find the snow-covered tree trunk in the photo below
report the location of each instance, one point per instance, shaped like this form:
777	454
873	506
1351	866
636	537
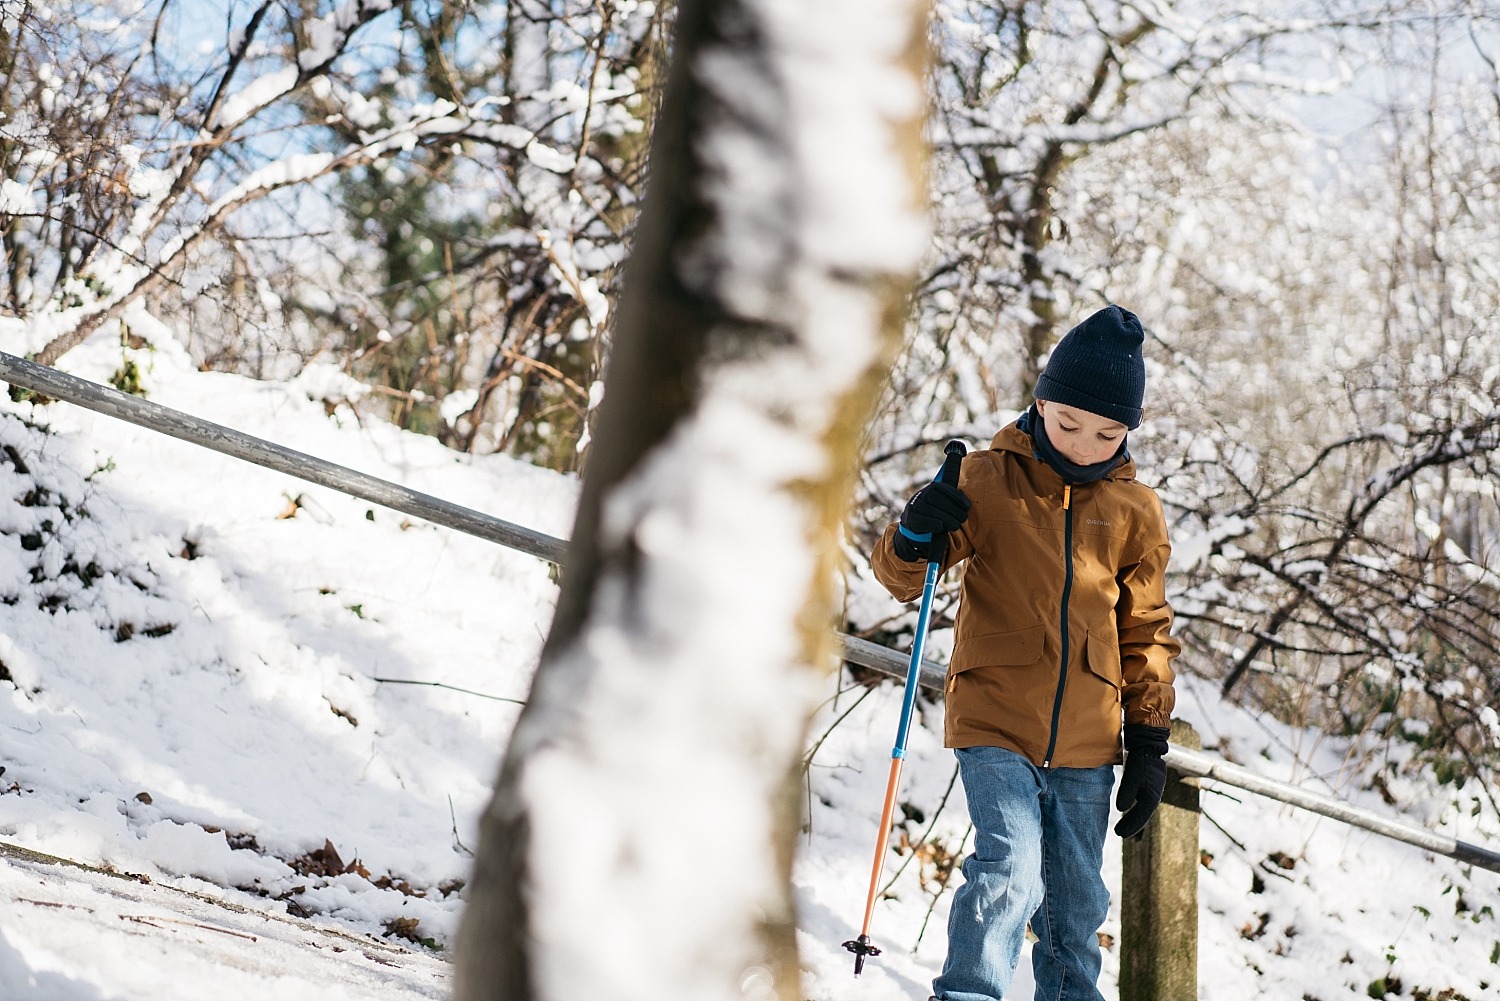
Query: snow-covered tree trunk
640	840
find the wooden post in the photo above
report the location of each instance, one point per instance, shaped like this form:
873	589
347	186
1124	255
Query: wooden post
1159	894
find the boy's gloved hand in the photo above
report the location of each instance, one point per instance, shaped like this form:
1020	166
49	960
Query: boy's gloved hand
1144	778
934	511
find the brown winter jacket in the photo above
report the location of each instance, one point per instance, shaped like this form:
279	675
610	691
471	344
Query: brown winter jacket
1063	622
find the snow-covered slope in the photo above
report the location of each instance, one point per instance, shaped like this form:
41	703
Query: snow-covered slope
201	682
192	645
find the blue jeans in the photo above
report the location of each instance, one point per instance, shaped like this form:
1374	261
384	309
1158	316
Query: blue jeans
1038	854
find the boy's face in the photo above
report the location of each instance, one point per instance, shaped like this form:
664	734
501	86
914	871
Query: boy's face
1082	438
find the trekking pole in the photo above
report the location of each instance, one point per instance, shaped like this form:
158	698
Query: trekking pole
936	550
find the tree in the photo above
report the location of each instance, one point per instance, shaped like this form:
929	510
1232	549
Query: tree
763	300
474	278
1346	575
434	196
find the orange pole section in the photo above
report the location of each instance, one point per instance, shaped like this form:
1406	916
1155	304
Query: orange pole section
882	842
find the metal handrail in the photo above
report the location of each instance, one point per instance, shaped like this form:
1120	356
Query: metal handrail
132	409
1187	761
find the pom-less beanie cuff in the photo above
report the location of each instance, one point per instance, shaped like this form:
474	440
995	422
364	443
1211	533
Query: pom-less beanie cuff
1098	367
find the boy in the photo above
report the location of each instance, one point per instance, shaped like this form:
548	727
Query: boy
1062	636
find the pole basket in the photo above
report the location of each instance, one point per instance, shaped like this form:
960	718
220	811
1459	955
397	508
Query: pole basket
861	948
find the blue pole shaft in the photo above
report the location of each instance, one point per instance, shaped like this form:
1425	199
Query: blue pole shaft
914	669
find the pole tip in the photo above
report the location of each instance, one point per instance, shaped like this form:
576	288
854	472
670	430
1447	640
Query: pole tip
861	948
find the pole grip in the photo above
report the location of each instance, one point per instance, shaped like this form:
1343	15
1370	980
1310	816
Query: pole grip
954	453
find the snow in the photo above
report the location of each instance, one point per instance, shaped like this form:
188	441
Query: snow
1491	721
218	759
278	711
549	159
146	940
327	35
242	708
260	92
1188	550
16	198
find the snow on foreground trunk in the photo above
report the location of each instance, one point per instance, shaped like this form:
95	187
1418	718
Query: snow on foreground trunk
640	840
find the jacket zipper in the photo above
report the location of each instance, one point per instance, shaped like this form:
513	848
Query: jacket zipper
1062	672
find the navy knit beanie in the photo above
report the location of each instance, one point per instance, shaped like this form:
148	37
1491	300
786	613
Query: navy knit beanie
1098	367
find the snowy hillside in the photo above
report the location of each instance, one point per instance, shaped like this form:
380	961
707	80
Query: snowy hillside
206	680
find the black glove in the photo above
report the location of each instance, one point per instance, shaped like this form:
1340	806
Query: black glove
934	511
1144	778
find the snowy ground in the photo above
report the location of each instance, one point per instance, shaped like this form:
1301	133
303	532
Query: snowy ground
201	667
77	934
